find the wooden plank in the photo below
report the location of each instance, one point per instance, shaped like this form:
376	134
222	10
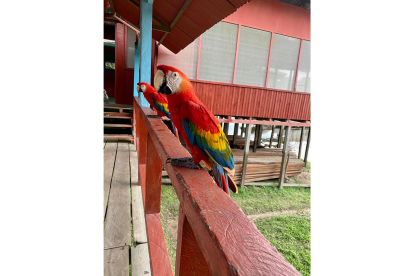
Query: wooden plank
138	216
117	114
109	137
118	215
140	262
246	153
116	261
109	162
118	125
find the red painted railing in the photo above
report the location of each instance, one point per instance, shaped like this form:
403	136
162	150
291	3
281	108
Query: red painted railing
249	101
214	235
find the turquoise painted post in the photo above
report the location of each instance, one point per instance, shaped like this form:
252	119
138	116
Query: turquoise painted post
145	40
136	69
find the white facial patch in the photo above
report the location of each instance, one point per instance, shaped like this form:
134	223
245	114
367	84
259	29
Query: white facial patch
158	79
143	88
173	81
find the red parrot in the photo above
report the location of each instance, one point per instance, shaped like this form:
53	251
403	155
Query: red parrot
201	131
156	100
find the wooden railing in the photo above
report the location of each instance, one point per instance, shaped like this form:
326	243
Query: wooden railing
214	235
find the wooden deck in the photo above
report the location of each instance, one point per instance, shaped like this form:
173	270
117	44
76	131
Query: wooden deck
125	237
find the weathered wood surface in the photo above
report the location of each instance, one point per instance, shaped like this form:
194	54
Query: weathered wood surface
140	263
118	125
109	162
230	242
138	216
116	261
118	216
284	158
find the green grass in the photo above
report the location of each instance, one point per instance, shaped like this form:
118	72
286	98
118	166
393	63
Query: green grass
308	166
293	232
169	210
291	236
261	199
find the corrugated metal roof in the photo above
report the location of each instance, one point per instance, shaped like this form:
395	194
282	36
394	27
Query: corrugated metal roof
199	16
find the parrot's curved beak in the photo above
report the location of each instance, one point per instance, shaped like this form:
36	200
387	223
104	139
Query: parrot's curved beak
160	83
139	89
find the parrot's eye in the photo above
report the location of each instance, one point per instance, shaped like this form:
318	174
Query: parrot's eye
175	74
143	88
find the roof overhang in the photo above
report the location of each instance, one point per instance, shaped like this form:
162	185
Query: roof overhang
176	23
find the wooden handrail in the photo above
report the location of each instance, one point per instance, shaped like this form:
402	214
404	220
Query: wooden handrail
214	235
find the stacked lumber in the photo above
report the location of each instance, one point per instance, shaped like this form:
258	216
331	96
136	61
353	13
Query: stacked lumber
264	164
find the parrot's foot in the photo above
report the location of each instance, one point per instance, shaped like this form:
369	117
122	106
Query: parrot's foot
153	116
187	162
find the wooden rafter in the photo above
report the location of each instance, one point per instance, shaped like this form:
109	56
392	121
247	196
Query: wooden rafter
177	17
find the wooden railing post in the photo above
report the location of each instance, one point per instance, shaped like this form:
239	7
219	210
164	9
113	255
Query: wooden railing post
189	257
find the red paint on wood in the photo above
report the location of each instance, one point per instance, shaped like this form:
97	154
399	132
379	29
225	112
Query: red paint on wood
189	258
273	16
228	240
160	262
129	86
119	62
152	179
236	54
249	101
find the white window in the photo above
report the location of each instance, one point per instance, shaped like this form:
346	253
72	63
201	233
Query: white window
283	62
218	51
185	60
252	57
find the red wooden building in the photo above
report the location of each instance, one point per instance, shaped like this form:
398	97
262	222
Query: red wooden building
255	63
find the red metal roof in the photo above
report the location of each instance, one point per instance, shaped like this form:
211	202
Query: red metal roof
199	16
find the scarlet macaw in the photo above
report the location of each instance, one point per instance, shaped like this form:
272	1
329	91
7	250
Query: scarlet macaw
156	100
201	131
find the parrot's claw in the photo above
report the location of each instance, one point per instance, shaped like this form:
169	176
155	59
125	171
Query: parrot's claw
153	116
187	162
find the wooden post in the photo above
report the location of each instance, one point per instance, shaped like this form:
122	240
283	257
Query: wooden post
280	138
307	148
260	134
152	179
300	142
271	137
256	137
189	257
246	154
235	131
242	130
226	128
285	152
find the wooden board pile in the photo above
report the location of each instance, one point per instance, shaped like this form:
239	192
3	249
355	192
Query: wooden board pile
264	164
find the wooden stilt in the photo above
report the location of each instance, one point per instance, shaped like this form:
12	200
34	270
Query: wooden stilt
242	130
246	154
300	142
280	138
256	137
271	137
285	152
235	132
307	148
259	142
226	128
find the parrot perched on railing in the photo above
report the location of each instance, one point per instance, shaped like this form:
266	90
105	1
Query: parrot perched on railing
157	101
201	131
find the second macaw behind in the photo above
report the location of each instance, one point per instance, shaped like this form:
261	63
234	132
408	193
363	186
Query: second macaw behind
200	129
156	100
